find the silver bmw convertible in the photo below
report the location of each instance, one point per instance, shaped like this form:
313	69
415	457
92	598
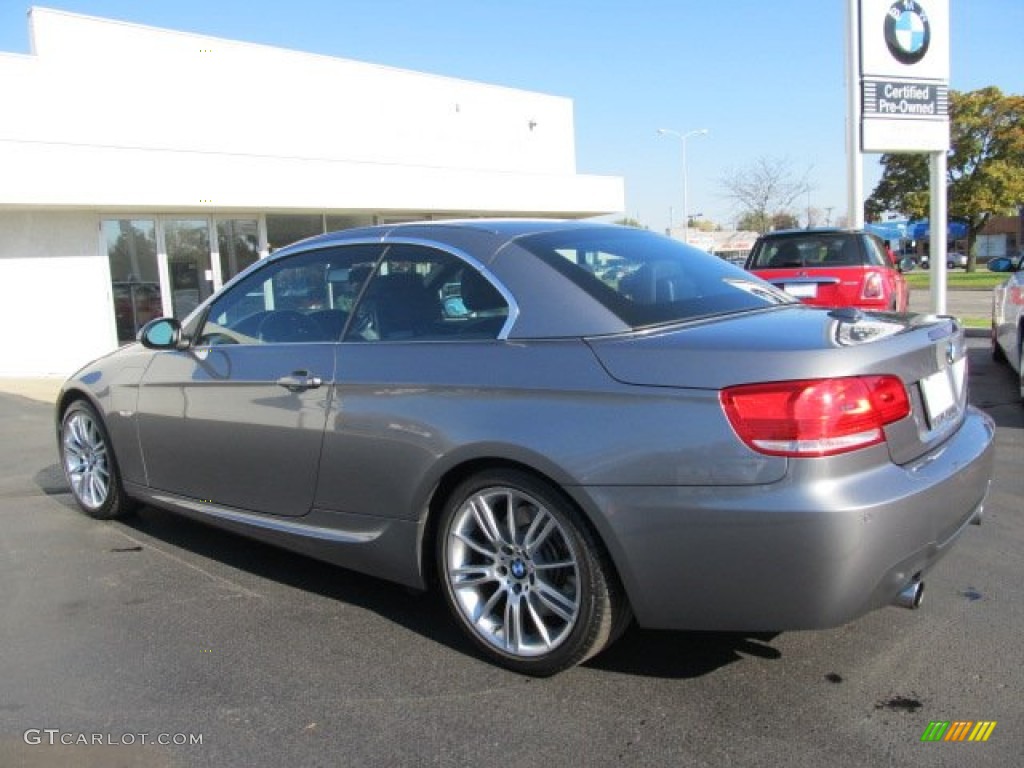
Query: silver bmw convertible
560	425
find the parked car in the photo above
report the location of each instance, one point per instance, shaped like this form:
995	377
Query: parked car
1008	314
608	424
954	259
832	268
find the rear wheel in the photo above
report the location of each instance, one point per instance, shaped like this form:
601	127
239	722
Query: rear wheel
89	465
524	575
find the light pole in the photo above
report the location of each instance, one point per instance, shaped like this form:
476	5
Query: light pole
682	140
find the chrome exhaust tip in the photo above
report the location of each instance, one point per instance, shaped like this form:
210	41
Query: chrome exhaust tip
911	596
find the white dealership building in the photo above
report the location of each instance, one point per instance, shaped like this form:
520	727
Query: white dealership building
141	168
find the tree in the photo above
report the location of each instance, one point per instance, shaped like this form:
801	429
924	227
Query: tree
764	190
984	165
629	222
785	221
758	222
815	217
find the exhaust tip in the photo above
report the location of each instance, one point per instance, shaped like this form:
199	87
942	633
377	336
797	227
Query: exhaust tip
911	596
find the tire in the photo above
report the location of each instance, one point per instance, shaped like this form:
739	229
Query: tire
524	575
89	464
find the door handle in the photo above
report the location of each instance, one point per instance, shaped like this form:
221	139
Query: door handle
300	381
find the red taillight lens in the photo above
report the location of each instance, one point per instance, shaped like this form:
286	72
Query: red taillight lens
820	417
873	287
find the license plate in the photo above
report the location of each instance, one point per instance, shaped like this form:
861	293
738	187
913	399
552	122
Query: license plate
941	392
801	290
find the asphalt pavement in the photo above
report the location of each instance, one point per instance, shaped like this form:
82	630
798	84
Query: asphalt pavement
958	303
117	636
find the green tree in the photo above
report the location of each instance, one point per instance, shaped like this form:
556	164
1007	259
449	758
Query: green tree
985	165
785	221
630	222
763	222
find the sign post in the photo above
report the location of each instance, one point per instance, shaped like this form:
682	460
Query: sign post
898	101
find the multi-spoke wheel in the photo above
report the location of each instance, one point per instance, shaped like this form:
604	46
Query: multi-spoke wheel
89	463
524	575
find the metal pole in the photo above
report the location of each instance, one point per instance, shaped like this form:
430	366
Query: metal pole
686	207
682	139
854	156
938	227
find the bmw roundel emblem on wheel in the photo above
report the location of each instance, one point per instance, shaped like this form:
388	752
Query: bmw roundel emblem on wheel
907	31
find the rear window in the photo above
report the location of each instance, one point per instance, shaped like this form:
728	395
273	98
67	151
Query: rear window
818	250
648	279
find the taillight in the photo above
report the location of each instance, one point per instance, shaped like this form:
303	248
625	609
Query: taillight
820	417
873	287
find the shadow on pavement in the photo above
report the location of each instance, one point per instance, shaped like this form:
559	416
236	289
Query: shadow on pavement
681	655
994	388
639	652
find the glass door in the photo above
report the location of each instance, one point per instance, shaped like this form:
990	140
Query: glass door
134	273
187	244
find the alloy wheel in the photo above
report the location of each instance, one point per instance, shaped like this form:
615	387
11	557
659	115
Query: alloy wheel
86	460
513	572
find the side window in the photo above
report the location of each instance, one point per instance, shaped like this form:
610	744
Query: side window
423	293
303	298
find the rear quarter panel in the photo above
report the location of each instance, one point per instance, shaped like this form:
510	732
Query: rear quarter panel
405	414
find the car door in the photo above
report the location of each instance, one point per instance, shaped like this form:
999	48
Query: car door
237	419
425	316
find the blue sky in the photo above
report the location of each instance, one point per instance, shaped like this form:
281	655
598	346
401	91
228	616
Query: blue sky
765	77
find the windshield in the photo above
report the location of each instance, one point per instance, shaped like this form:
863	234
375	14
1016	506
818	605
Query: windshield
647	279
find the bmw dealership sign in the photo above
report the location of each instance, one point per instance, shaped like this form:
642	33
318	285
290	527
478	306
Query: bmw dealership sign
904	67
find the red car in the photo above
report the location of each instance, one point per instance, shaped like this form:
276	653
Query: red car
832	268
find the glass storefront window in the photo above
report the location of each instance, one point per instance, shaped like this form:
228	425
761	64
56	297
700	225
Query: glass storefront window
134	274
334	223
285	229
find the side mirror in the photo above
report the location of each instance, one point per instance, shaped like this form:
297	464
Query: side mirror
1002	264
907	264
161	333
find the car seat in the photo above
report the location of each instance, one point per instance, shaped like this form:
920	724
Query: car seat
788	255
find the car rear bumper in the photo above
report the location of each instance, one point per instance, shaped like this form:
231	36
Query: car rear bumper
792	555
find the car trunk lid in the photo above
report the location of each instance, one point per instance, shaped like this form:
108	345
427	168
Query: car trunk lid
926	352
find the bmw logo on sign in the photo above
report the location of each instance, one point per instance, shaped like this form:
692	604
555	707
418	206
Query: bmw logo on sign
907	31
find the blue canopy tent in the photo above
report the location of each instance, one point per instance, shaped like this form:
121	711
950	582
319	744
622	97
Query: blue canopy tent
893	231
918	230
897	231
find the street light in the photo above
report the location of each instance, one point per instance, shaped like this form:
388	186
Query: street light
682	140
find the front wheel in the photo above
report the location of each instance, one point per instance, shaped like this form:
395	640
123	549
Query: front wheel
89	465
524	575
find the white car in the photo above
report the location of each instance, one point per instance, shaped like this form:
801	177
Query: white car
953	260
1008	314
